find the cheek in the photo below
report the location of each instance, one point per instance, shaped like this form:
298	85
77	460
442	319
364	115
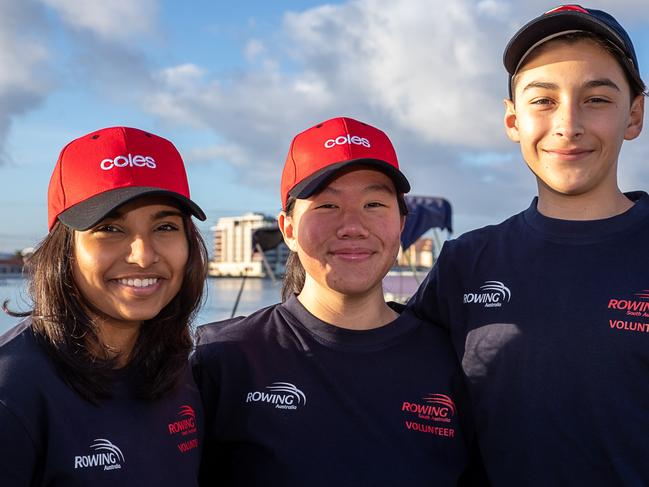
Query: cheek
86	264
177	254
391	229
611	128
311	235
529	128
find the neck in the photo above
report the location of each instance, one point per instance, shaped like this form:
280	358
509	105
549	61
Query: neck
355	312
591	206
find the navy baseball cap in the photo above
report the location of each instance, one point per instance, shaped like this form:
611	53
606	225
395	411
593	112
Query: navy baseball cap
567	19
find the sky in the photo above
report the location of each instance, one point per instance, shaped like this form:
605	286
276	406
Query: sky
230	84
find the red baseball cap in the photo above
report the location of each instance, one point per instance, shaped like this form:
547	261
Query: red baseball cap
319	153
102	170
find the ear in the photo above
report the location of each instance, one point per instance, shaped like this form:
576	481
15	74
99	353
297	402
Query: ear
287	228
511	121
403	222
636	117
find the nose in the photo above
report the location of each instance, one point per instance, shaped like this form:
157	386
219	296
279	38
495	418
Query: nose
568	121
142	252
352	225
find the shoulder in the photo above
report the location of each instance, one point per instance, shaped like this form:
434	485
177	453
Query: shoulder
641	200
486	234
20	352
25	374
434	339
241	328
235	336
466	249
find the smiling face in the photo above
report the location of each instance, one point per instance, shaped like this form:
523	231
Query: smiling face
347	235
570	116
131	264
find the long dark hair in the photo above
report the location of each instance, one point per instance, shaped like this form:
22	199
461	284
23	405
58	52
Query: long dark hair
62	325
294	273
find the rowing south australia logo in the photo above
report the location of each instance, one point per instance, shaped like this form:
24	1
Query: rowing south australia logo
432	414
631	314
184	427
283	395
103	454
492	294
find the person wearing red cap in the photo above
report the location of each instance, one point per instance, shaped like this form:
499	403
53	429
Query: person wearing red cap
333	386
549	310
95	387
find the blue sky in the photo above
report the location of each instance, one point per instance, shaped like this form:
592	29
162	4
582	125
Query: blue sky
231	83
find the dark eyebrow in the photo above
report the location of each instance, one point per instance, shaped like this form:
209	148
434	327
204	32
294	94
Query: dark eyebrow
544	85
595	83
379	187
165	213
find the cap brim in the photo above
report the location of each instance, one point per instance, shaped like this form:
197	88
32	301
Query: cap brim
85	214
315	182
548	26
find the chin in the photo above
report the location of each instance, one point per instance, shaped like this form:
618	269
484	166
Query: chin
354	287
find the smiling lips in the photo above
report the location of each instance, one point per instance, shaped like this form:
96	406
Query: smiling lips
138	282
353	254
568	154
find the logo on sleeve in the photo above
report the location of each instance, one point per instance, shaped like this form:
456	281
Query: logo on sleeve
634	311
283	395
492	294
102	454
433	414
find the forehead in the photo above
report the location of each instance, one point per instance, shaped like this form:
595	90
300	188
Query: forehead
558	59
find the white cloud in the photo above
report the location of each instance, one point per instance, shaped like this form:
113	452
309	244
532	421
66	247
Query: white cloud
254	49
231	154
24	71
32	66
435	71
114	20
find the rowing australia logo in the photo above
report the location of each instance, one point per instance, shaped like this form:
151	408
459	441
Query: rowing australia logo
103	454
283	395
492	294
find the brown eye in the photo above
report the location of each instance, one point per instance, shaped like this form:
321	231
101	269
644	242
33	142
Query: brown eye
107	228
167	227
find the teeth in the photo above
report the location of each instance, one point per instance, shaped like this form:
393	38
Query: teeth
139	282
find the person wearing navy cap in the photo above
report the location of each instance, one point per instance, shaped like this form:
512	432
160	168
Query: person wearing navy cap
549	310
334	386
95	388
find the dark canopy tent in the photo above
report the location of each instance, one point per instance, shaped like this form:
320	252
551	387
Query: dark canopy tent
424	213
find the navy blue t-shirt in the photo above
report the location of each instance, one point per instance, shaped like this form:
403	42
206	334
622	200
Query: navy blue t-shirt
550	320
293	401
50	436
